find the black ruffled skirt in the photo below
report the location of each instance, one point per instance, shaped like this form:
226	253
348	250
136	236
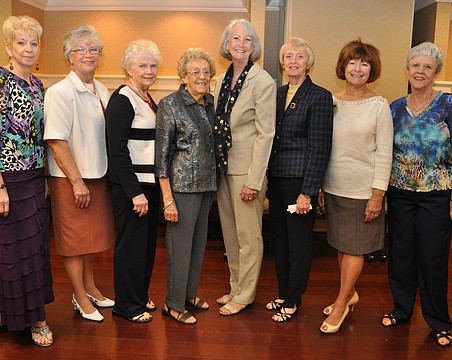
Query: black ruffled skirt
25	275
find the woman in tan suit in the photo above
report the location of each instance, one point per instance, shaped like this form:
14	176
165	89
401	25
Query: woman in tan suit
245	99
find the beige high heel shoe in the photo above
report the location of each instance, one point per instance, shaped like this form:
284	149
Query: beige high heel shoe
352	302
331	329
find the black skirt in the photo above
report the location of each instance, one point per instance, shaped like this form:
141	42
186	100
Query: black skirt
25	275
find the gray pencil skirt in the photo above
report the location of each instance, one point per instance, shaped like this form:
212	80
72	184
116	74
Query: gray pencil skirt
346	229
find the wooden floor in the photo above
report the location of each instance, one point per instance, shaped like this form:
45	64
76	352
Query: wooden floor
248	335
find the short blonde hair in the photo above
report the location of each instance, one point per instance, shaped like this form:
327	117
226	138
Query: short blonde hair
85	32
298	43
249	28
14	25
138	48
194	54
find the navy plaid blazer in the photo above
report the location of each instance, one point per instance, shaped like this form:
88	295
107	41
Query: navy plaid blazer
302	142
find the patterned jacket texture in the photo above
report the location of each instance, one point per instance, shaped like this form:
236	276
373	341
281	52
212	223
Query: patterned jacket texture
184	143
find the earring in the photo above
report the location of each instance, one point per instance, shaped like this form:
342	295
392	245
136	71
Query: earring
71	68
11	67
37	67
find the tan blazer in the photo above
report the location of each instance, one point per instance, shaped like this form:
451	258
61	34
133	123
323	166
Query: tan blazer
252	125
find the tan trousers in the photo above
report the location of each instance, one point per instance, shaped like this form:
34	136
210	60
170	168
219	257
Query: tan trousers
241	224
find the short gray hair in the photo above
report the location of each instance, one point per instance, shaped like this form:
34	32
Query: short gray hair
426	49
249	28
138	48
84	32
194	54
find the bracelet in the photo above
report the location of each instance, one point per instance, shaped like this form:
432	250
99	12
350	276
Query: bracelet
167	204
3	186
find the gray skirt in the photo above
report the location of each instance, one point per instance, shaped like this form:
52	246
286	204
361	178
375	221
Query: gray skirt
346	229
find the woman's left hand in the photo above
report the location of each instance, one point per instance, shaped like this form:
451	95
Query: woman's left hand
374	205
450	209
303	204
248	194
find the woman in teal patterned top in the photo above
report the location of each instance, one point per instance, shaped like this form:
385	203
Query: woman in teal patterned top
419	196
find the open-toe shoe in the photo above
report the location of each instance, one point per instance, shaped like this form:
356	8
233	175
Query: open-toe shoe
331	329
228	309
283	315
352	302
223	300
181	317
197	303
150	306
275	304
444	335
393	320
42	333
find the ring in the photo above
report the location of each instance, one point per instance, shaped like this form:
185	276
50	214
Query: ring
249	197
376	215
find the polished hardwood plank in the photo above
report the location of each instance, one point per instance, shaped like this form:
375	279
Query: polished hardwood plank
248	335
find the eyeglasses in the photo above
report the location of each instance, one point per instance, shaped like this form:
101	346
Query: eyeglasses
83	51
197	72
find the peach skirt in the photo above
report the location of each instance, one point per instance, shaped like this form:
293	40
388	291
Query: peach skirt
81	231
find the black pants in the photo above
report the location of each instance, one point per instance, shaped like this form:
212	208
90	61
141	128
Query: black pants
419	240
134	250
292	236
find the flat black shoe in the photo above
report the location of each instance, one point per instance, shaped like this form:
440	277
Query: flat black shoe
391	318
444	335
197	304
180	317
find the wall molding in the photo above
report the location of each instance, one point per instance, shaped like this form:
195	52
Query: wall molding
139	5
164	85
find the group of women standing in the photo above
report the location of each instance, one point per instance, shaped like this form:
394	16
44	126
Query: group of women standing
109	158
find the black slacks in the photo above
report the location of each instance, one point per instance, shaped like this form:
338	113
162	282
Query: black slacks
419	240
134	254
292	236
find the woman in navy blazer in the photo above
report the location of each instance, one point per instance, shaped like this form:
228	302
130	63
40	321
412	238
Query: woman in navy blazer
300	154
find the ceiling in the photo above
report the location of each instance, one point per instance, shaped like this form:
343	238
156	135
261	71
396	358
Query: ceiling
167	5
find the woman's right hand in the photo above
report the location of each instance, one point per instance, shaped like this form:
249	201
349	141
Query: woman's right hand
140	204
170	212
81	194
4	202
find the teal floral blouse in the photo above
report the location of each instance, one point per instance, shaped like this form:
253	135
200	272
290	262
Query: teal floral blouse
422	152
21	123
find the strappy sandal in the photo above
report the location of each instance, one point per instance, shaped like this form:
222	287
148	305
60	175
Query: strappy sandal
150	306
197	304
224	299
391	318
283	315
141	318
274	304
42	332
228	309
136	319
444	335
180	317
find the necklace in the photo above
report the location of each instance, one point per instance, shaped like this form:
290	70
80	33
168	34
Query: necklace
145	98
88	86
424	104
